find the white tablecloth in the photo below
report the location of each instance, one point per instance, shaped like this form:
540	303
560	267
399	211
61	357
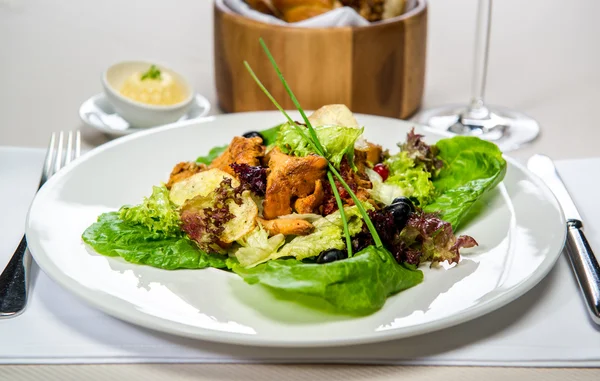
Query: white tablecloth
548	326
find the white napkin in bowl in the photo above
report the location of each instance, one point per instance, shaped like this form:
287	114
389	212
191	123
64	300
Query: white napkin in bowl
339	17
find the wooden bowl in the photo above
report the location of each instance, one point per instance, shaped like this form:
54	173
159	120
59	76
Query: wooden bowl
378	69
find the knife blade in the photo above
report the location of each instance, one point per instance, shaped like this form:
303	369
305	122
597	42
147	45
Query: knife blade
580	253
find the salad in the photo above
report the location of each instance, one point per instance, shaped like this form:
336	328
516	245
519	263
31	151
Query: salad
310	210
262	207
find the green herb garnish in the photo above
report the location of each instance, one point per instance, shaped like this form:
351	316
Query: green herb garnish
311	130
152	73
318	148
340	205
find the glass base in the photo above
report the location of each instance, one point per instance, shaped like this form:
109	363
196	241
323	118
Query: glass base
506	128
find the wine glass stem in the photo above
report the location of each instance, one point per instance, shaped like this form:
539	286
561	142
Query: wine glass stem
477	108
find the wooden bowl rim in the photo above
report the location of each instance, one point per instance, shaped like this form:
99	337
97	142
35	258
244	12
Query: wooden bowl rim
417	10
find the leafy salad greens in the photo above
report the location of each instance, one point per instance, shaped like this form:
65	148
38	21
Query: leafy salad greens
311	210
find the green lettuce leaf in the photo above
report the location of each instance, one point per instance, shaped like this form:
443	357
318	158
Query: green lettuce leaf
112	236
270	135
257	247
337	141
358	286
328	234
212	155
156	213
326	237
413	180
381	191
353	217
420	152
471	167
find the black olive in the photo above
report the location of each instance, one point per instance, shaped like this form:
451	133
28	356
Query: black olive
253	134
331	255
404	200
401	210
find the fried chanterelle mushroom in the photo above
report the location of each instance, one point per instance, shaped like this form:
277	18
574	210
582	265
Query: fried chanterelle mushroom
184	170
240	151
292	179
286	226
367	154
312	202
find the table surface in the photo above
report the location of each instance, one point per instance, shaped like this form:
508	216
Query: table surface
544	61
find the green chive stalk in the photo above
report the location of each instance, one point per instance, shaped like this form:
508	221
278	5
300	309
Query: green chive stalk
318	148
292	96
340	205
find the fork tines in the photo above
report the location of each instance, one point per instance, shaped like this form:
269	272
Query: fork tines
61	151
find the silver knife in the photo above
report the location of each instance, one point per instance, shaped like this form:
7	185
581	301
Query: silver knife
578	249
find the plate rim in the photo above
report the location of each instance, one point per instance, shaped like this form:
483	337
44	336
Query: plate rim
201	333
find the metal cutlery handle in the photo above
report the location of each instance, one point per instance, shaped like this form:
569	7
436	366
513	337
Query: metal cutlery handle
586	267
14	278
13	283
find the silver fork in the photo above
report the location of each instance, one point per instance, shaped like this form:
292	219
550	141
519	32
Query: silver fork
14	280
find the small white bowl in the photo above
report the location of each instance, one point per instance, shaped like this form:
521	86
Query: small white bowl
138	114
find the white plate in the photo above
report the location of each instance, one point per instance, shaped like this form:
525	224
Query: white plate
98	113
521	233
